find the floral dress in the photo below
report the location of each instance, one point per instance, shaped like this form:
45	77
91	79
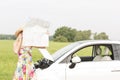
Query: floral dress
25	67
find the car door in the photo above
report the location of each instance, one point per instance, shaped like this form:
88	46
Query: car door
93	70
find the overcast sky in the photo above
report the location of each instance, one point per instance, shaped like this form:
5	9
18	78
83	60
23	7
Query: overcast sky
95	15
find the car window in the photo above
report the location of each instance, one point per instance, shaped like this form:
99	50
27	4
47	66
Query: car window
102	53
86	54
116	50
92	53
103	48
87	51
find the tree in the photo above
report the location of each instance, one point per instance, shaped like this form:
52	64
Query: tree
78	36
83	35
86	34
101	36
61	39
66	32
7	37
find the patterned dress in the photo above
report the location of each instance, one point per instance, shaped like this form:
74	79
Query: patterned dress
25	67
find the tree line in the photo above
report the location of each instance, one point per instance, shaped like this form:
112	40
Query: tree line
67	34
7	37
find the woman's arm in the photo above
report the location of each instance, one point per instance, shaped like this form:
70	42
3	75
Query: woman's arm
17	44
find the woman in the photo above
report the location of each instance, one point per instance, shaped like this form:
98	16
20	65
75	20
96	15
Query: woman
25	68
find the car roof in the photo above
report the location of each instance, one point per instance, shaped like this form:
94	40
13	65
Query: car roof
98	42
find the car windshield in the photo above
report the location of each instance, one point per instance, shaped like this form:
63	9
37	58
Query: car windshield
64	50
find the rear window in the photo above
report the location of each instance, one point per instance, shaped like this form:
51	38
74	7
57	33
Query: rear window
116	51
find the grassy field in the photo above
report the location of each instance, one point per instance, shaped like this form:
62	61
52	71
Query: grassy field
8	58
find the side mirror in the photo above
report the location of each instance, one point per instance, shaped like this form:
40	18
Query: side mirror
76	59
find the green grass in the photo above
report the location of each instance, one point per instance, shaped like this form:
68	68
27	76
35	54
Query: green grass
8	59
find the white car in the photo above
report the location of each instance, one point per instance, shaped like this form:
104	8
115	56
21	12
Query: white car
83	60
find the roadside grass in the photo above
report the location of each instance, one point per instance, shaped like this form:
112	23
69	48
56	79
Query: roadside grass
8	59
